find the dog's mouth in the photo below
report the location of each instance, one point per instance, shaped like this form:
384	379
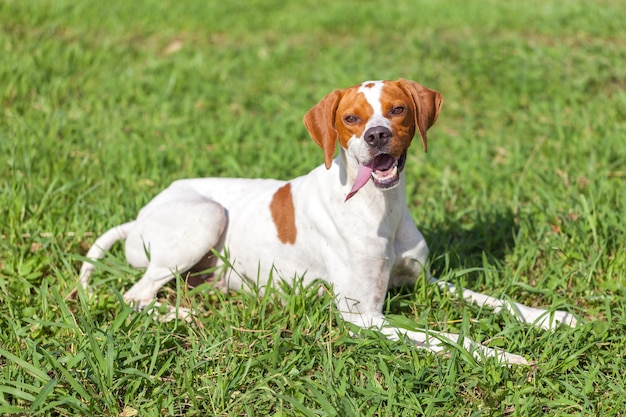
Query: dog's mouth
384	170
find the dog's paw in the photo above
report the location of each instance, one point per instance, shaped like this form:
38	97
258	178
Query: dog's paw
505	358
547	320
173	313
480	352
562	317
162	312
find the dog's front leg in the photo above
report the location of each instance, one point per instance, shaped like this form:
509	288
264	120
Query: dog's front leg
439	341
176	231
545	319
364	314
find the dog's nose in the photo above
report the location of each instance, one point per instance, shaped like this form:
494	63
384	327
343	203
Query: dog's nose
377	136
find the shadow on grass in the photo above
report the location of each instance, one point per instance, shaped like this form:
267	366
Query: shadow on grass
469	242
465	245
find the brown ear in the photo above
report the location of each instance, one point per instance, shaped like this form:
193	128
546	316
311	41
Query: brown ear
320	122
427	104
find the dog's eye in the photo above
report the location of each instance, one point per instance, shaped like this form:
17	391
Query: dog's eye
397	111
350	119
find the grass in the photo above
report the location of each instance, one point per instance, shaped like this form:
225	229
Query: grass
521	194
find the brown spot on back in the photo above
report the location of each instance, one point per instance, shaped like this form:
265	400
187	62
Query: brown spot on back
284	214
369	85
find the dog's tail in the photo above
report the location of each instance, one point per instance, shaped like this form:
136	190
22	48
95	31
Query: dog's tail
99	248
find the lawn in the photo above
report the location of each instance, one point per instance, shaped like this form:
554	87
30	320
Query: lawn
522	194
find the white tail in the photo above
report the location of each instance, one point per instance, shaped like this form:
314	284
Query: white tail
100	247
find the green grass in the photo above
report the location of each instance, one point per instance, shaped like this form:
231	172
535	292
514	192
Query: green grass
522	194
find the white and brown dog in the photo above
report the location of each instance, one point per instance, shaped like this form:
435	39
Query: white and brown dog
346	221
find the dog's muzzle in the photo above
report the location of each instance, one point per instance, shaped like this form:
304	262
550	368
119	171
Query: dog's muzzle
383	169
386	170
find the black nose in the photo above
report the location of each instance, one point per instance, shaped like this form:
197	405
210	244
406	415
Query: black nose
377	136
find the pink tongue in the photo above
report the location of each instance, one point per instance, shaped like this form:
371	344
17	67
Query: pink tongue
362	176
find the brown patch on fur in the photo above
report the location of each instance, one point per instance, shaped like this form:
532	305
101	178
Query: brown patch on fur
320	122
426	104
327	124
402	125
284	214
355	104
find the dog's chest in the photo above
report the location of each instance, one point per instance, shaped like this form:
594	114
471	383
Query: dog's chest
316	234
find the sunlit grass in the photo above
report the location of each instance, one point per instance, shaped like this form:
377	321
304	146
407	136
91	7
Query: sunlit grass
521	194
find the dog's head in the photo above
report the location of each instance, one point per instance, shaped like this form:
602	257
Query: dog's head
374	123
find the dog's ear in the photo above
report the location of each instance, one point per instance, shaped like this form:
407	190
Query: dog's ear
320	122
426	106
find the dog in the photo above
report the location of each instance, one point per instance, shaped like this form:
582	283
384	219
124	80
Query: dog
346	221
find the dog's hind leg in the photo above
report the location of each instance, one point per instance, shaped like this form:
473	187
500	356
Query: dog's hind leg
144	292
172	237
545	319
